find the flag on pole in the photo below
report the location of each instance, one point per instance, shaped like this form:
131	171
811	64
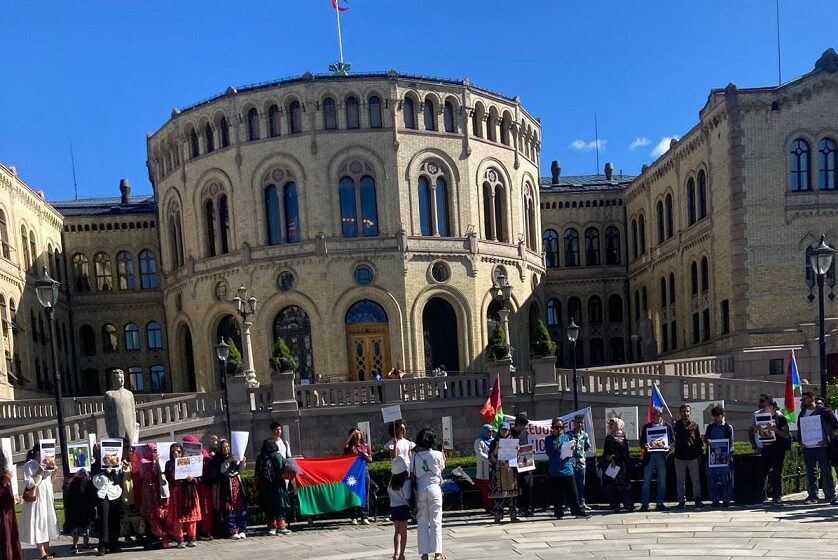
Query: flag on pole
656	401
492	411
793	390
336	4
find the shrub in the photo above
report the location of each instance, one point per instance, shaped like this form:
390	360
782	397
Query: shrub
235	357
281	360
542	344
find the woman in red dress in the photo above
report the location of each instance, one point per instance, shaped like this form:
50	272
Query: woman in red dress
153	492
205	526
184	502
9	538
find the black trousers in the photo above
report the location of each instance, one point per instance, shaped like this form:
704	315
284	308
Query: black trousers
110	515
563	493
525	489
771	464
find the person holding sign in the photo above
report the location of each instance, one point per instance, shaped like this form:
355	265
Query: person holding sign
481	456
815	427
503	479
154	496
228	491
399	445
108	476
615	476
9	537
184	501
719	478
38	525
770	433
655	438
560	448
580	457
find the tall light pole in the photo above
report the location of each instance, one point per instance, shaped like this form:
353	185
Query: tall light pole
821	260
503	293
222	350
572	335
47	290
246	307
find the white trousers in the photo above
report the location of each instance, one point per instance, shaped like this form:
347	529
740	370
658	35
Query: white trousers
429	520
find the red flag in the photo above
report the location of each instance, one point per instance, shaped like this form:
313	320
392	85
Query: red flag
338	7
492	411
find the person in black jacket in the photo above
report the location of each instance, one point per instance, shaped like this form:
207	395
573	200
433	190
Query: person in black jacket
772	452
816	453
688	450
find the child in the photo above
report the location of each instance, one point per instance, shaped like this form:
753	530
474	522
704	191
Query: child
720	479
399	491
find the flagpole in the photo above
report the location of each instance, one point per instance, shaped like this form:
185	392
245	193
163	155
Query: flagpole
340	38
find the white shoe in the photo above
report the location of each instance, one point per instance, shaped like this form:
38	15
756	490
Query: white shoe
354	521
242	536
272	532
365	521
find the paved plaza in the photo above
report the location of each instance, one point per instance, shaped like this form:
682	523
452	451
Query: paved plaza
793	532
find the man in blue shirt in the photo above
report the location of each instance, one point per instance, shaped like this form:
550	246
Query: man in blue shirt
720	479
562	479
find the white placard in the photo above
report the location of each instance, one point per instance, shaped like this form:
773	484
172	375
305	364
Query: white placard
91	441
110	453
811	430
78	454
447	432
48	454
508	449
391	413
189	466
136	439
238	445
627	414
526	458
567	450
164	453
701	412
364	428
657	439
612	471
718	453
6	448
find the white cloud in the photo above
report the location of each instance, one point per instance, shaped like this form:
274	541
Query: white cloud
639	142
663	145
582	146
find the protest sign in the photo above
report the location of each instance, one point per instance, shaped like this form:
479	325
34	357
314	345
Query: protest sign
91	442
508	449
238	445
526	458
78	454
718	453
391	413
48	454
811	430
191	449
627	414
763	432
185	467
164	450
657	439
612	471
110	453
6	448
538	430
567	450
447	432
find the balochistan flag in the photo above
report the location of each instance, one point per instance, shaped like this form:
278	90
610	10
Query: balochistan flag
492	410
329	484
656	401
792	390
336	5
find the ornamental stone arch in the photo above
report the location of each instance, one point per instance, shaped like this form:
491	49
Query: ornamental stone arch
462	331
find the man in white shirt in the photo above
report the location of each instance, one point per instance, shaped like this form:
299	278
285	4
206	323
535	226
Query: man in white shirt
817	453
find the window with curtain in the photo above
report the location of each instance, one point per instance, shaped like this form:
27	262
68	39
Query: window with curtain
550	240
132	337
125	271
148	270
154	336
110	340
571	247
135	379
104	274
592	247
81	272
799	164
330	115
374	108
157	379
353	119
554	314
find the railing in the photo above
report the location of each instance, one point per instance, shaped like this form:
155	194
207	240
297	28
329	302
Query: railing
445	388
27	409
707	365
261	398
607	382
357	393
43	409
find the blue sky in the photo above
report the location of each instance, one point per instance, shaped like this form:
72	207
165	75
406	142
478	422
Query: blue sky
106	73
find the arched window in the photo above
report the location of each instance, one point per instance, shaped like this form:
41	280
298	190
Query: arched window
571	247
641	225
693	278
615	309
209	217
104	274
272	215
613	252
494	206
273	121
88	340
637	304
428	114
702	195
550	239
348	213
635	246
409	113
374	107
209	139
691	214
670	222
148	270
663	292
194	147
110	341
554	314
424	189
661	226
353	119
136	380
81	272
594	310
705	274
125	271
291	209
295	117
132	337
505	124
4	236
253	124
826	165
157	380
671	288
59	275
574	310
448	117
33	247
224	129
330	115
799	163
441	196
224	224
175	235
477	122
24	245
364	205
154	336
51	261
810	272
529	218
592	247
292	325
492	126
369	207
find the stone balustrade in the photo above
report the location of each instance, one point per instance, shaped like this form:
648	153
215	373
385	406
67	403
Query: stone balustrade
707	365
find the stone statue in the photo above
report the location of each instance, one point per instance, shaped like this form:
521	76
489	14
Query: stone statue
120	411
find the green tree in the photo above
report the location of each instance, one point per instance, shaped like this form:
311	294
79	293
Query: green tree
542	344
281	358
235	356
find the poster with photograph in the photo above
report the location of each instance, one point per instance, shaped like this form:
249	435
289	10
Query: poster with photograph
657	439
164	450
447	432
110	453
191	449
78	454
48	454
185	467
763	432
507	449
718	453
627	414
526	458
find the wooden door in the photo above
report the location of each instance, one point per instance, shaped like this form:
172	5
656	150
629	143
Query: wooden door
368	350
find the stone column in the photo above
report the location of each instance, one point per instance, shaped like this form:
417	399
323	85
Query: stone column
284	393
241	413
392	391
249	371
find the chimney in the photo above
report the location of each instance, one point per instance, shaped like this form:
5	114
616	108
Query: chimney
609	171
556	170
125	191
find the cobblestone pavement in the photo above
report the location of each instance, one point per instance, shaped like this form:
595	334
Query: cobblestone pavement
794	531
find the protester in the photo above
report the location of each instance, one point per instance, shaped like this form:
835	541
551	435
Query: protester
519	432
817	454
654	462
688	451
204	527
79	508
720	479
503	479
282	445
228	491
615	454
355	445
109	504
131	522
580	457
399	445
154	497
9	536
481	455
184	503
272	489
772	452
561	471
213	445
38	524
427	467
399	491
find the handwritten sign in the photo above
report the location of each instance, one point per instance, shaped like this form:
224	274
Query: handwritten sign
507	449
811	430
189	466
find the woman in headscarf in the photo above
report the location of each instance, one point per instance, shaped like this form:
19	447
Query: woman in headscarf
206	526
184	502
615	456
503	479
9	537
228	492
481	455
271	487
153	492
79	507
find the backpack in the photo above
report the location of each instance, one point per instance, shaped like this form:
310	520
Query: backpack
264	470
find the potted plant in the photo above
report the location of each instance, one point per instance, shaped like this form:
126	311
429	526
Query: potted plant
281	359
499	348
234	360
541	344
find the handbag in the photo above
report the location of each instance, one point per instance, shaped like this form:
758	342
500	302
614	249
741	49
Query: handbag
31	494
411	502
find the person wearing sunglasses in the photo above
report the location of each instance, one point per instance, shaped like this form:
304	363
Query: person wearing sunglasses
562	477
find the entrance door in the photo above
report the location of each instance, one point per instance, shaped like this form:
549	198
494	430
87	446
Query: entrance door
368	349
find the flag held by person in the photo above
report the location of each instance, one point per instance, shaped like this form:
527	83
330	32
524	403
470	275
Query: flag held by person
492	410
331	484
656	400
793	390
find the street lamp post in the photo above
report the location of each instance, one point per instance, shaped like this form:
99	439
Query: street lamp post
821	260
222	350
47	290
572	335
503	293
245	307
